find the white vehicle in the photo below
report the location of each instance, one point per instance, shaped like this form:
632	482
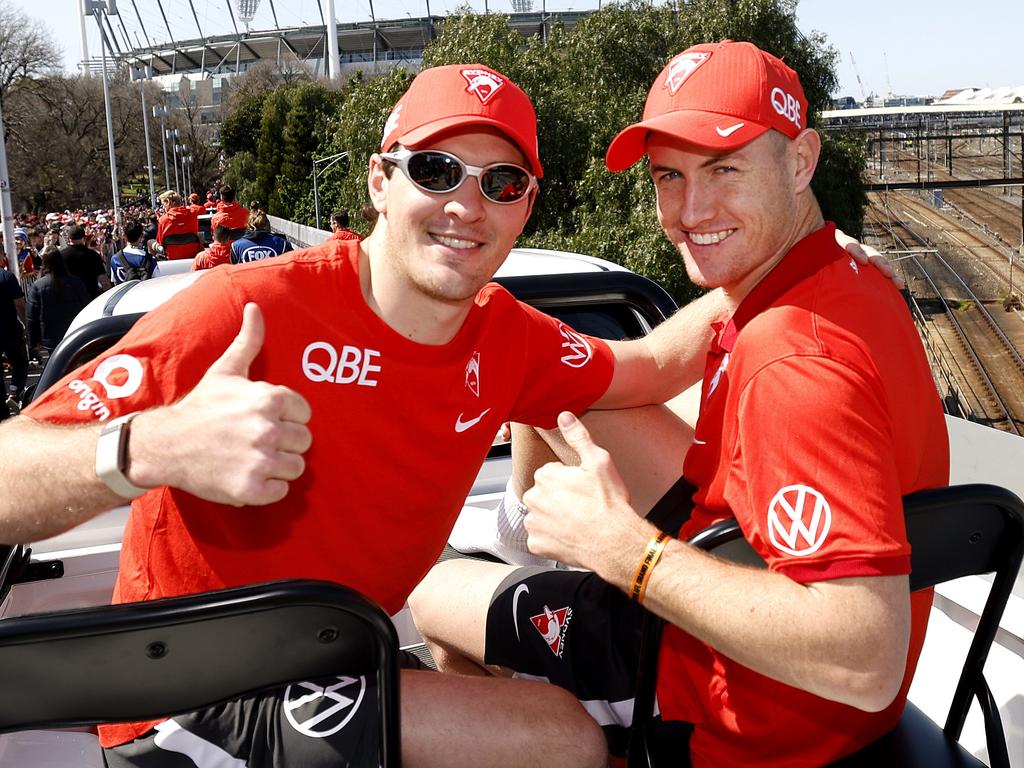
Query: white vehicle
78	568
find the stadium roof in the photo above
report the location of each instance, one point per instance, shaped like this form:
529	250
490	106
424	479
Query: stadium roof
200	35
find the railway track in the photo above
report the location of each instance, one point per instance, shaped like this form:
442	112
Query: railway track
975	357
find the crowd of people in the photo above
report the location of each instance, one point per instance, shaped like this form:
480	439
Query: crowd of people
817	413
65	259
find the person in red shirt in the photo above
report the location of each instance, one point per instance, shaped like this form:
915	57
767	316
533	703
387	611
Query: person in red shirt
817	414
230	214
218	253
178	229
195	206
275	383
339	227
211	202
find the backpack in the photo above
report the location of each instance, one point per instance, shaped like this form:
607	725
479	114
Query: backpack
133	271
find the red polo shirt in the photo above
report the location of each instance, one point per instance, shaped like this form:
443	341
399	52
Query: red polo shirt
819	413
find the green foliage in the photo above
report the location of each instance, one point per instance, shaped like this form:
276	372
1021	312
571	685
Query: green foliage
586	85
241	128
356	127
838	181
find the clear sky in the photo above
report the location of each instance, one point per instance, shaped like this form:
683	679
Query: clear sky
913	46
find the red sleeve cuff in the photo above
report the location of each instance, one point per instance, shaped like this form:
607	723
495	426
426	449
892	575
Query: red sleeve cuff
804	573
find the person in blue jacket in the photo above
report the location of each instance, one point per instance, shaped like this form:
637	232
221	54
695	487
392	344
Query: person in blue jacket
258	242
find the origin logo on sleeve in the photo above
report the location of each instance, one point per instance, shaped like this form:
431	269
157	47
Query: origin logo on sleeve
117	377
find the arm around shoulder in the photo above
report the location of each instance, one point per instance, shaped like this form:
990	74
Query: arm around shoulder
657	367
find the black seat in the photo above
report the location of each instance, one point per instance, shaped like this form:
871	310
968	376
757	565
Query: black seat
953	532
143	661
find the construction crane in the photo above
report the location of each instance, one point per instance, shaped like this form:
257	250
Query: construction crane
863	93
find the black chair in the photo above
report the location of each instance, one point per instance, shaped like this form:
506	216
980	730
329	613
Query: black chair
953	532
143	661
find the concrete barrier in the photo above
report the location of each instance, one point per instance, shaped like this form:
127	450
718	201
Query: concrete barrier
299	235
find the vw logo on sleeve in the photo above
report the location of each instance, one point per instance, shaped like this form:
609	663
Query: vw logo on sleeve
799	519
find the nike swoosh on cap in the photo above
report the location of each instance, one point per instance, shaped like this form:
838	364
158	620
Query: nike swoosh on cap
727	132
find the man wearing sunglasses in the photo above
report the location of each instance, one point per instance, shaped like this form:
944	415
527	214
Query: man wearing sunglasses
336	435
817	414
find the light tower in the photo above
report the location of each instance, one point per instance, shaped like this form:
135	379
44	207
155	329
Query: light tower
247	11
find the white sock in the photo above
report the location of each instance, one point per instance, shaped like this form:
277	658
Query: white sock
511	514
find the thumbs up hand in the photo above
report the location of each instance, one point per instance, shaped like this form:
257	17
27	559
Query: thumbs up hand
579	515
230	440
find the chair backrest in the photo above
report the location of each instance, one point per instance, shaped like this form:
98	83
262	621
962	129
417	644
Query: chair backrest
142	661
953	532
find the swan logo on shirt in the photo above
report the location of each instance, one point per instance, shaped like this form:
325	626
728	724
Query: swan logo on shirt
799	518
552	626
473	374
119	376
316	710
350	365
577	350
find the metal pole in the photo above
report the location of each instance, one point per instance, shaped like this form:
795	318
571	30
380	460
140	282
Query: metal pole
5	203
110	123
316	197
181	159
84	64
332	41
159	111
174	147
149	152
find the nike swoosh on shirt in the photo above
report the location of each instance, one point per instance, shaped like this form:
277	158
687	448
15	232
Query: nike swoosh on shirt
462	426
515	604
727	132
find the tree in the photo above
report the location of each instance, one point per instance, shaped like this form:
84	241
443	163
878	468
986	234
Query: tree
585	85
27	49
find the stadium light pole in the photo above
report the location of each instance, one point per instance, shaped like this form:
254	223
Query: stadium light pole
142	74
181	159
330	160
162	112
172	134
98	8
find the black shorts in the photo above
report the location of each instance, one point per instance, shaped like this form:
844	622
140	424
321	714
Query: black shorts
331	722
572	629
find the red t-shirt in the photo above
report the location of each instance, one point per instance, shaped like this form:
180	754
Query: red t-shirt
230	215
399	428
345	234
215	255
819	413
179	221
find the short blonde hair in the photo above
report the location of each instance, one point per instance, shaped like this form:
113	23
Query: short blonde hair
170	199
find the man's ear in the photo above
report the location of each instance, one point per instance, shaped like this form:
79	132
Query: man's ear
377	183
807	150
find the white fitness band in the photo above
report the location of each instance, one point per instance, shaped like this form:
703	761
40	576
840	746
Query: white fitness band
112	457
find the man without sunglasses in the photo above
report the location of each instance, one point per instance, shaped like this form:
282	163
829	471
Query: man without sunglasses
817	414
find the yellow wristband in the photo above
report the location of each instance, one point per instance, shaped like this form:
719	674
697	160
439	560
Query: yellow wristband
650	559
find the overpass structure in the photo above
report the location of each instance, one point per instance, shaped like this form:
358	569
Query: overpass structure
937	146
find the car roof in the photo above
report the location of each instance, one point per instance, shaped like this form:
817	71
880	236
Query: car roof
142	296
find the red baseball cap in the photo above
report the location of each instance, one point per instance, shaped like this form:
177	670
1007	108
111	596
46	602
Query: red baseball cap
718	96
442	98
